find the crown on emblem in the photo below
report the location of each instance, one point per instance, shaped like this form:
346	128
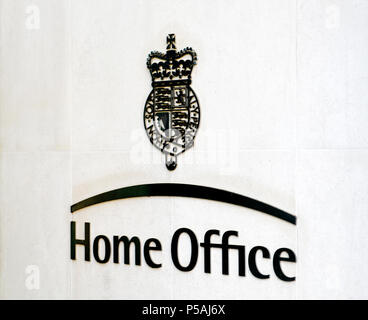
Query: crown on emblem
172	67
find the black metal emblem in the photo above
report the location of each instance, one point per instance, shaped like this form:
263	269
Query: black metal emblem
171	113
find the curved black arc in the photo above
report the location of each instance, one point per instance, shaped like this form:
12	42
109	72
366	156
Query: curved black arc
184	190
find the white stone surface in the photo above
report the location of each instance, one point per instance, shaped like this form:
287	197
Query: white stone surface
282	89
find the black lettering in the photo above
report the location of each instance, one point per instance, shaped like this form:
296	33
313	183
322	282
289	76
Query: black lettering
276	263
127	243
252	261
85	242
148	248
207	245
96	249
174	249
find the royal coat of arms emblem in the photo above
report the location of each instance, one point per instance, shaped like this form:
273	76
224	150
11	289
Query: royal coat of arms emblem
171	113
